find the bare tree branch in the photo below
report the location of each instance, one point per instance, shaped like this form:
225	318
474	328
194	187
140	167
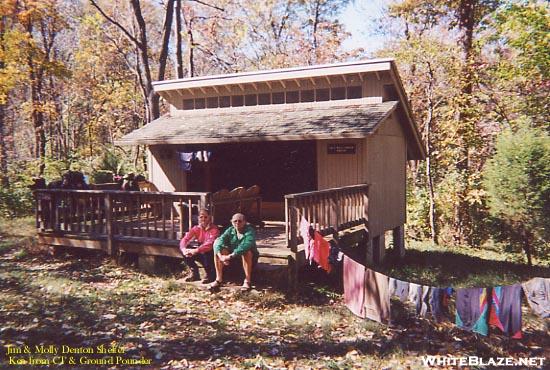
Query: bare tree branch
110	19
210	5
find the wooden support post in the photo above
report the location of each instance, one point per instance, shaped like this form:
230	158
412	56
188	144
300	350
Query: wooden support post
292	273
377	248
382	248
292	222
370	252
109	226
399	240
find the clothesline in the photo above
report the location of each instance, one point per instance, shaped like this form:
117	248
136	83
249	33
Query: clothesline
367	294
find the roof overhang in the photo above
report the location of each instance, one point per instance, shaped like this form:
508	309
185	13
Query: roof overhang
415	145
284	74
314	121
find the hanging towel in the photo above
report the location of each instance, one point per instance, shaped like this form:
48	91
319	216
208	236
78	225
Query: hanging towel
306	236
439	303
537	292
321	251
505	312
472	310
354	286
377	296
399	289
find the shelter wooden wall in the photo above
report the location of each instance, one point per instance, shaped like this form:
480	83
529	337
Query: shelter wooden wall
335	170
164	169
386	156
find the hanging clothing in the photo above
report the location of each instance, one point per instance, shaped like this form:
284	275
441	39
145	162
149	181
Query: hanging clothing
505	312
422	306
354	286
399	289
185	159
321	251
377	296
537	292
305	233
415	295
335	254
439	303
472	310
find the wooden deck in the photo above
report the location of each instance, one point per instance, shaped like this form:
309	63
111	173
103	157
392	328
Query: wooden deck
151	224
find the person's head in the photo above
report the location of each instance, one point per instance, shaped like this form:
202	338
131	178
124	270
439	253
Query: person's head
204	217
238	221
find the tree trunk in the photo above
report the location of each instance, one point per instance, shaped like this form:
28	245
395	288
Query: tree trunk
153	108
167	30
179	46
466	25
4	179
429	175
191	46
527	241
314	33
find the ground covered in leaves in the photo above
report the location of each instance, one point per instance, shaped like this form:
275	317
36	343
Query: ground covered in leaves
87	301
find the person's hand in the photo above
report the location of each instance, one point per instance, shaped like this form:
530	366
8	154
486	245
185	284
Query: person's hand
225	259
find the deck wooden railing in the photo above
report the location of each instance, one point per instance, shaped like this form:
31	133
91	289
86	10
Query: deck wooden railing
326	210
115	214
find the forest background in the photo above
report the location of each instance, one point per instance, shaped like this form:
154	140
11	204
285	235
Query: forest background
76	75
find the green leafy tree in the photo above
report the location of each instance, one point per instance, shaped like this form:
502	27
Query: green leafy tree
517	180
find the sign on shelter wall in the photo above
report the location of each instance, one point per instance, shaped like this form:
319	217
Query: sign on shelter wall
341	148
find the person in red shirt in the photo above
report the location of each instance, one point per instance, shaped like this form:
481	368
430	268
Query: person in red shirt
197	245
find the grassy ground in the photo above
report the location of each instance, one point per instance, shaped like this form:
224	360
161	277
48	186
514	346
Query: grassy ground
86	301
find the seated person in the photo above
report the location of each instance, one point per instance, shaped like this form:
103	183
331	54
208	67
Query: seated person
197	245
238	240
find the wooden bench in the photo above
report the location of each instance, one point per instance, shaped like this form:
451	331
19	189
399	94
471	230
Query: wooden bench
226	203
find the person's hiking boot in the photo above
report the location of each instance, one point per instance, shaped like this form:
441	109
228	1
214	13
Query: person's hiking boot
193	276
246	285
215	286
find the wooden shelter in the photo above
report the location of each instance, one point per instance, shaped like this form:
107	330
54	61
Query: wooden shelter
328	143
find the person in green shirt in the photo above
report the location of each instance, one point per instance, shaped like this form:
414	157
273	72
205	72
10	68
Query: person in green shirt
239	240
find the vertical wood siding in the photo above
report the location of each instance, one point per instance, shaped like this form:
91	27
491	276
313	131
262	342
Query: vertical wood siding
336	170
386	166
164	169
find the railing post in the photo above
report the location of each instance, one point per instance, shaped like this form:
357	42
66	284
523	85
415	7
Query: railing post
109	225
292	219
38	211
292	240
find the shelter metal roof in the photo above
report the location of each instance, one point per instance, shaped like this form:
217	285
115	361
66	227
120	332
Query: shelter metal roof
264	123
